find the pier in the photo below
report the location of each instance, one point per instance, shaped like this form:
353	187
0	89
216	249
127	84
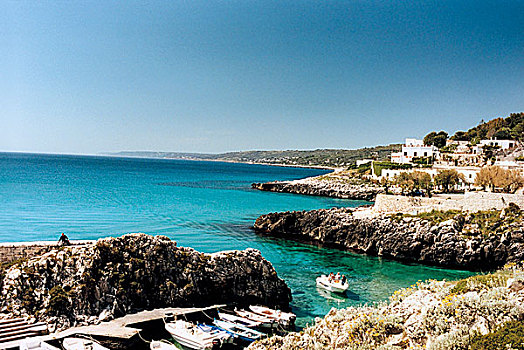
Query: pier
120	329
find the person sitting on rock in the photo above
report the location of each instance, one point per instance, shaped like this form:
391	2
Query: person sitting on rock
63	240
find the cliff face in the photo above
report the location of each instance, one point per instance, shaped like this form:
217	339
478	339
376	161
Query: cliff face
460	242
322	188
83	285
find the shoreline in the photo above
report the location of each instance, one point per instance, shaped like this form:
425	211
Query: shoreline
334	169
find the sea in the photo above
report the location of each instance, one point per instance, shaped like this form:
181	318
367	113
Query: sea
208	206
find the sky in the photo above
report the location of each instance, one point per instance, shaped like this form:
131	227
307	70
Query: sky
213	76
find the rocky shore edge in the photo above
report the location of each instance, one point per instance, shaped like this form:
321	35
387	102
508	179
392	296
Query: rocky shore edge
325	186
482	241
477	313
82	285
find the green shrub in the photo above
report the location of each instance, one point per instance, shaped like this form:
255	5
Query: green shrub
478	282
59	300
508	336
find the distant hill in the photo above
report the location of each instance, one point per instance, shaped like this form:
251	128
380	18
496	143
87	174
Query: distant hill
320	157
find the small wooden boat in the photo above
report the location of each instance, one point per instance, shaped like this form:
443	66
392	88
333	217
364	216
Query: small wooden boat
162	345
240	331
81	344
35	344
286	319
335	286
196	337
265	322
246	322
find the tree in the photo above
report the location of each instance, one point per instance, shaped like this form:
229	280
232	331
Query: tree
460	136
384	181
405	181
448	178
496	177
410	182
436	139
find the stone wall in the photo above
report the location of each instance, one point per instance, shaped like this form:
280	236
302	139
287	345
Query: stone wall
11	251
471	201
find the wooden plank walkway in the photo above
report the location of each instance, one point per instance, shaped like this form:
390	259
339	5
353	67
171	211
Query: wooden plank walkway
120	328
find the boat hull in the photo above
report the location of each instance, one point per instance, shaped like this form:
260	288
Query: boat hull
324	283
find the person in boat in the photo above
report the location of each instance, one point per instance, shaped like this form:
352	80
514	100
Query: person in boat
337	277
331	277
63	240
343	279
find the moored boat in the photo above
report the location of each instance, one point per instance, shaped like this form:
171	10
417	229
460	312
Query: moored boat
286	319
196	337
81	344
246	322
335	286
240	331
162	345
265	322
35	344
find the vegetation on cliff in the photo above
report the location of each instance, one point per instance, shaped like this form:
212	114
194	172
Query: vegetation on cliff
474	313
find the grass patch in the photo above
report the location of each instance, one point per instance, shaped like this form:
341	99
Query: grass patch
508	336
479	282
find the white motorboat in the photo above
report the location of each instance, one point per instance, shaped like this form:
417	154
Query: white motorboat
265	322
240	331
35	344
162	345
286	319
335	286
81	344
194	337
246	322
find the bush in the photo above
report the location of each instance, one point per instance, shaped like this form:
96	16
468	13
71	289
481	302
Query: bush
59	300
508	336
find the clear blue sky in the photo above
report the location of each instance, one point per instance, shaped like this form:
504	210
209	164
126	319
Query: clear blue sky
213	76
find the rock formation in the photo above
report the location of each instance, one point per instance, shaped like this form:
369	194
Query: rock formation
84	285
322	188
469	241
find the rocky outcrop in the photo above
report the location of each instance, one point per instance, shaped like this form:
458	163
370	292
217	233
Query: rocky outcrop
460	242
322	188
84	285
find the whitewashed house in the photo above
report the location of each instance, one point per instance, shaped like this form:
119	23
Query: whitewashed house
503	144
413	149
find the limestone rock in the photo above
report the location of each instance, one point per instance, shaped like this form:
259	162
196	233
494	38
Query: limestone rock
115	276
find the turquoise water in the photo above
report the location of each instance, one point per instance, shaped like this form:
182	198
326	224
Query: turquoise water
209	206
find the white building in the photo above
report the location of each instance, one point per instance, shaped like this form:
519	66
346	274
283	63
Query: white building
470	173
363	161
412	149
503	144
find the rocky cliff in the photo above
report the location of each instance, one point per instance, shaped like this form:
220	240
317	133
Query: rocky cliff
475	241
84	285
322	188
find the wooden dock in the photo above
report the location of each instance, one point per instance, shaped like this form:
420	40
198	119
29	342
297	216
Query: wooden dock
119	328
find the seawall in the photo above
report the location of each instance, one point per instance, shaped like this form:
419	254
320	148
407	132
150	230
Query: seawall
469	202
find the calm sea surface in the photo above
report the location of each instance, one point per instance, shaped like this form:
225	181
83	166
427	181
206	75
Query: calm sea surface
205	205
